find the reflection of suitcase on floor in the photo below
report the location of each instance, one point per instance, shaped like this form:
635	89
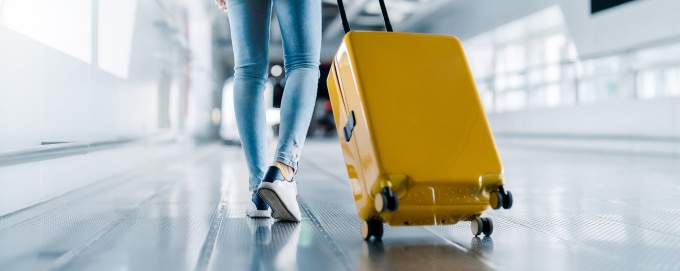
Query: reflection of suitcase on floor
415	139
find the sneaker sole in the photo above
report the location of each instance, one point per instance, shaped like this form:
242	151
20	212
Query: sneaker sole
259	214
279	210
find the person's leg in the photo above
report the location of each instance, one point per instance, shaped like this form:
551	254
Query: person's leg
249	21
300	22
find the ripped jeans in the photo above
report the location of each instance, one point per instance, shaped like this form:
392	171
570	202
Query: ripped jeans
300	25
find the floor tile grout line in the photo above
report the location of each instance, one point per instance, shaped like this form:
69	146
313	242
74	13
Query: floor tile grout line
95	186
208	247
631	224
342	257
477	255
211	238
626	223
101	186
68	257
568	241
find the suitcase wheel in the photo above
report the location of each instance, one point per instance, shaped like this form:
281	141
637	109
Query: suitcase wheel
507	200
372	228
501	198
386	200
481	225
496	199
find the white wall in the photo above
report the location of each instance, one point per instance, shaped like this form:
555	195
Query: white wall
631	126
86	70
91	72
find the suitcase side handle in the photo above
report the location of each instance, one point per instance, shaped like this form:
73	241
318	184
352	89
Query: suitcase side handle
349	127
383	9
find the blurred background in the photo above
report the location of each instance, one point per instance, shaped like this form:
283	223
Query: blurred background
586	74
119	149
102	70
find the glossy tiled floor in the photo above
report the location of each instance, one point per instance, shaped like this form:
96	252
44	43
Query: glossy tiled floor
573	211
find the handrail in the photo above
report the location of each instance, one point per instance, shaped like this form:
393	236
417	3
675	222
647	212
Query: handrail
638	47
60	150
597	137
572	64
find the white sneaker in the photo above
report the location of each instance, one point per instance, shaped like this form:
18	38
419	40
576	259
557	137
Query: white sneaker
258	208
281	195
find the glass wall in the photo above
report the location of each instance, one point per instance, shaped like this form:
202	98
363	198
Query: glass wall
533	63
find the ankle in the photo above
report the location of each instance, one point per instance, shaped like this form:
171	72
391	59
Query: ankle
260	204
287	171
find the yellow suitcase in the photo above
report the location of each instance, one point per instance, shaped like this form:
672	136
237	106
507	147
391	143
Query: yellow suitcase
415	138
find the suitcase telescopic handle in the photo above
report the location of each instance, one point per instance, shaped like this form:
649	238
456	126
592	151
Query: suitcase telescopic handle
383	9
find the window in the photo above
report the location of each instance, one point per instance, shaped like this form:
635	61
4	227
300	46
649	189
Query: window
533	63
